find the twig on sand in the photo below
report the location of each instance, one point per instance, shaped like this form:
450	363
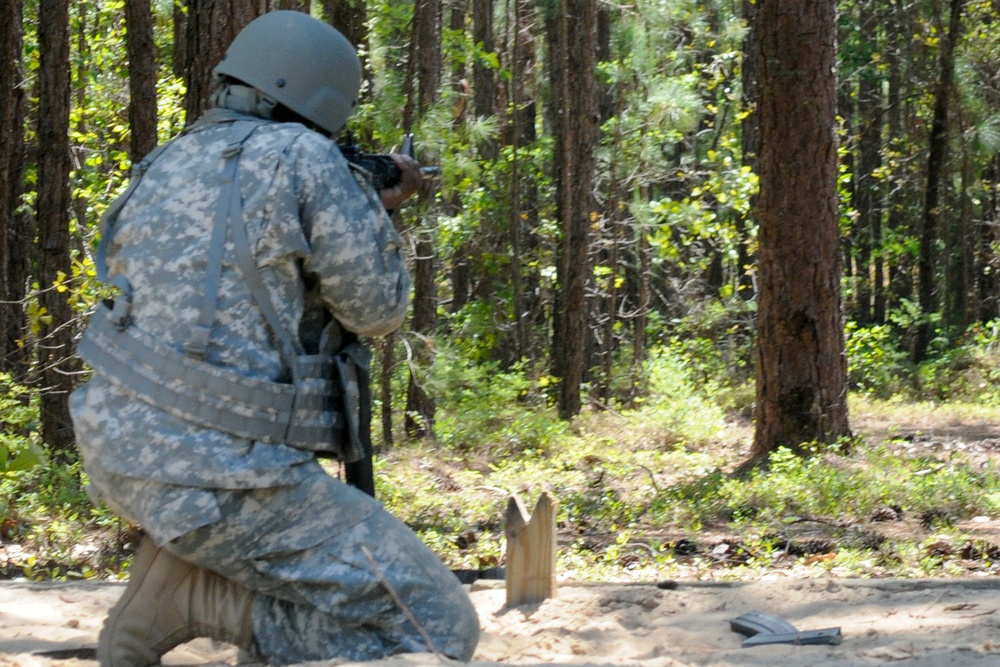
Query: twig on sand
402	606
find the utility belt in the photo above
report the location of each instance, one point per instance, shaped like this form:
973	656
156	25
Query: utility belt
319	412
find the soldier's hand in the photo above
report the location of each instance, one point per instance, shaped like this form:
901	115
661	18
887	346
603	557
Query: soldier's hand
393	197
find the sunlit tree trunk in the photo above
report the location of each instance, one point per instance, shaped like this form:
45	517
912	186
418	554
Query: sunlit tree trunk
801	368
420	405
55	353
210	27
142	76
750	142
572	30
15	241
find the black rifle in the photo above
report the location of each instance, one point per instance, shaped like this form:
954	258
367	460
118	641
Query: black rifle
383	173
382	169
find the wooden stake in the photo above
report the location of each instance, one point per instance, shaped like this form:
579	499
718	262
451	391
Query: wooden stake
531	551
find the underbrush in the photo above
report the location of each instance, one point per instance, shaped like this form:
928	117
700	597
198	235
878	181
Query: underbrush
630	512
646	489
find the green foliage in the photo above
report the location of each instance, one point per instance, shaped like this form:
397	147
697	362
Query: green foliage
800	498
875	365
639	487
61	534
715	343
20	442
850	487
485	409
967	371
675	407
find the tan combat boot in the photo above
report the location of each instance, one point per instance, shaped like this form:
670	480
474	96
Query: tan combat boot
169	602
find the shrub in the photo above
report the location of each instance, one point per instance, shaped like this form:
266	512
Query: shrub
484	408
20	441
875	365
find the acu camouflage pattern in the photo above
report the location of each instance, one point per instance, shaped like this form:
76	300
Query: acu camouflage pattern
265	514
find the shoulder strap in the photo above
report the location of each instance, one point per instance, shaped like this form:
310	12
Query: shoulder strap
109	225
197	346
229	218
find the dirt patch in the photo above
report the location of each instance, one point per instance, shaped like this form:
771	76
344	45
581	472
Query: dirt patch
915	622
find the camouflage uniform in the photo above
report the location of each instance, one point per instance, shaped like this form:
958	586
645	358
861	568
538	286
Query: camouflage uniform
318	552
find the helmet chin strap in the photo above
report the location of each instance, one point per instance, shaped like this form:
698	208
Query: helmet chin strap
244	99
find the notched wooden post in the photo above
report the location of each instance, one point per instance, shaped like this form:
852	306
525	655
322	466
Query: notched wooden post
531	551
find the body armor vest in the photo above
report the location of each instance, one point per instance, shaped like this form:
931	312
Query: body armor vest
319	410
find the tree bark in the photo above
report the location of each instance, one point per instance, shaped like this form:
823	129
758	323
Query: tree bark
349	17
572	33
524	187
868	230
750	143
987	295
142	76
460	265
420	405
484	78
15	242
210	27
936	155
179	57
55	349
15	237
899	263
801	368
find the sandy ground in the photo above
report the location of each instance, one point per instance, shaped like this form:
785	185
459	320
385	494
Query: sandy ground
935	623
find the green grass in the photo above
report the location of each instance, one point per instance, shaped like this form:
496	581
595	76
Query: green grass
644	493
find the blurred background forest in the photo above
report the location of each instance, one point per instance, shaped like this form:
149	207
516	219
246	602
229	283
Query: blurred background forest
590	247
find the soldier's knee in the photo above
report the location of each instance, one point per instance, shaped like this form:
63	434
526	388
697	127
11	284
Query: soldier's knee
461	639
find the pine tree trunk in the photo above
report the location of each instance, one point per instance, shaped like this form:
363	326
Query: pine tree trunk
988	294
15	242
899	264
484	86
55	349
801	368
573	42
349	17
210	27
142	77
420	405
868	229
750	143
524	191
932	194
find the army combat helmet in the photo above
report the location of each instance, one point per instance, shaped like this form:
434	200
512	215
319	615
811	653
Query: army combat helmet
301	62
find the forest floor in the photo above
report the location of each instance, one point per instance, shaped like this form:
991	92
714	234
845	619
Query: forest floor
913	622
